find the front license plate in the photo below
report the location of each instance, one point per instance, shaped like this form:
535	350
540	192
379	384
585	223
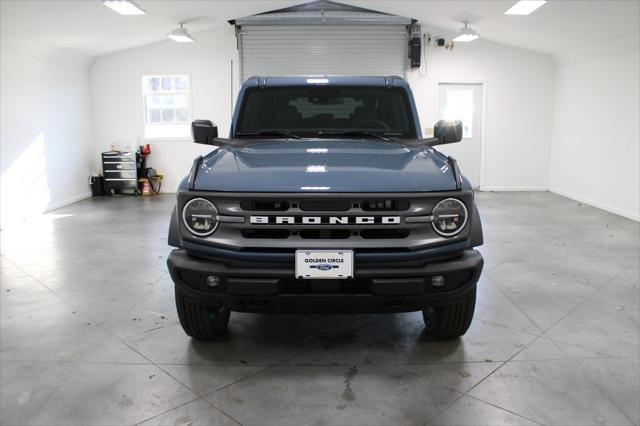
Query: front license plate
324	264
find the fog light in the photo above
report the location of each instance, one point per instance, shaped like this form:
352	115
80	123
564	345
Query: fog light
213	281
437	281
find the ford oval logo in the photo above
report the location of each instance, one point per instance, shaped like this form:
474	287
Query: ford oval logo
325	267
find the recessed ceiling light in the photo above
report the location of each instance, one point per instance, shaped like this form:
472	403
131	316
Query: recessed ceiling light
524	7
466	34
181	35
124	7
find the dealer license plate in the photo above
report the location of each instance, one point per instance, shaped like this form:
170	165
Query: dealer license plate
324	264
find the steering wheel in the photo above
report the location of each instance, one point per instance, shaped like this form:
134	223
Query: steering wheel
381	124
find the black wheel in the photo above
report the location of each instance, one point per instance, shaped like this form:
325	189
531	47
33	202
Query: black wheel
450	321
199	321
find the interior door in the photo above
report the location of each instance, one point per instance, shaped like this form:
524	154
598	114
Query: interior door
463	101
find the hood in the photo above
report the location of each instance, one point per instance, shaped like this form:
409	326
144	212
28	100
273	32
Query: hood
316	165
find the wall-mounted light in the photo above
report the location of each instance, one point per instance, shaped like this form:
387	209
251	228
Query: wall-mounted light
181	35
524	7
124	7
466	34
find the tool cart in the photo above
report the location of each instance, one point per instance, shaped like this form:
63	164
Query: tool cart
120	172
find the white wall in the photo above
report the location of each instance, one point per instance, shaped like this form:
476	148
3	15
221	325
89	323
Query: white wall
595	154
519	99
518	106
590	110
116	84
45	138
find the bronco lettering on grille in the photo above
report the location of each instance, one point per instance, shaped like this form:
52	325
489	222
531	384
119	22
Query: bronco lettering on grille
324	220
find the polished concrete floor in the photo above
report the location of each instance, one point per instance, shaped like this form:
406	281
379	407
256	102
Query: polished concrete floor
89	333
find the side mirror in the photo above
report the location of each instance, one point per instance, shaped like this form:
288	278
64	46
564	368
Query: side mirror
204	131
447	131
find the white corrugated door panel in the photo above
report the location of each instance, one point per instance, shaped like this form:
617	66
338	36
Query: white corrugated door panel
285	50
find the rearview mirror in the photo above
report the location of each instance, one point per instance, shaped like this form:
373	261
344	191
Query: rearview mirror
204	131
447	131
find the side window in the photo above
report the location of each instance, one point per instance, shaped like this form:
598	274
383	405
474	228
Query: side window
167	101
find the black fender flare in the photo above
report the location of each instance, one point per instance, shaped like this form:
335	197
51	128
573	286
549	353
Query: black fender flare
477	237
174	235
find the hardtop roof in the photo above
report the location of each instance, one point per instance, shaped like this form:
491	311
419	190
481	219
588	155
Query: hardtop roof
326	80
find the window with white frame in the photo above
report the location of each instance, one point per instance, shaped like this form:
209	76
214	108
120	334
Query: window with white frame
167	101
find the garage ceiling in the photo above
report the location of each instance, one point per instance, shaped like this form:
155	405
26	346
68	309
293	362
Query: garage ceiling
88	27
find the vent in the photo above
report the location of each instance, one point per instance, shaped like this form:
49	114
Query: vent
370	234
384	205
265	205
325	206
266	233
350	286
325	234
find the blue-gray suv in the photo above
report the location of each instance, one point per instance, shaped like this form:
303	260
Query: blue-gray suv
325	198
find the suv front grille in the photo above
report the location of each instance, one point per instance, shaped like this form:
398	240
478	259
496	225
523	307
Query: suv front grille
319	213
326	221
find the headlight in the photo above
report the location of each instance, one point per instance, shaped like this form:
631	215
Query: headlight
199	216
449	217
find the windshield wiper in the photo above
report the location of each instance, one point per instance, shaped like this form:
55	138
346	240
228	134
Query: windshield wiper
269	133
353	133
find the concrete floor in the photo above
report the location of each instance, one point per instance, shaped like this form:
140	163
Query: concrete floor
89	333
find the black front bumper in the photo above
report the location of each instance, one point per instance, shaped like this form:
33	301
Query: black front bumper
375	288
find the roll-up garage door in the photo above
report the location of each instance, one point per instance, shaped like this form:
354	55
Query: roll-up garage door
286	50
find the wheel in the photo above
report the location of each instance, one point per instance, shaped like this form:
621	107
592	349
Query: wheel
450	321
199	321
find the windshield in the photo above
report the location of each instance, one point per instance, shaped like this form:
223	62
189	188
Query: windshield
325	112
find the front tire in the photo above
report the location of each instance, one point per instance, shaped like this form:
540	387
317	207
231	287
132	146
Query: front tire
199	321
450	321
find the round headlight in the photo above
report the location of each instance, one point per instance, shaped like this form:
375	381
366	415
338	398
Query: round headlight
199	216
449	217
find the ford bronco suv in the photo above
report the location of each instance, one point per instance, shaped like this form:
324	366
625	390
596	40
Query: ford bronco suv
325	198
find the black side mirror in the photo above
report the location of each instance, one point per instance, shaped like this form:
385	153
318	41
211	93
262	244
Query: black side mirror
204	131
447	131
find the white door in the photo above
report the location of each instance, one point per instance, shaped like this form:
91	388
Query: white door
462	101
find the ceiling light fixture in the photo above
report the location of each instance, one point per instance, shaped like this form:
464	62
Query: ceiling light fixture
466	34
124	7
181	35
524	7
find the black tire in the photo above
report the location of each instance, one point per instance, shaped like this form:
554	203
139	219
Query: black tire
450	321
201	322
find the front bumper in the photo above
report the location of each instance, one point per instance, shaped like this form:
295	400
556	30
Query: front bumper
375	288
